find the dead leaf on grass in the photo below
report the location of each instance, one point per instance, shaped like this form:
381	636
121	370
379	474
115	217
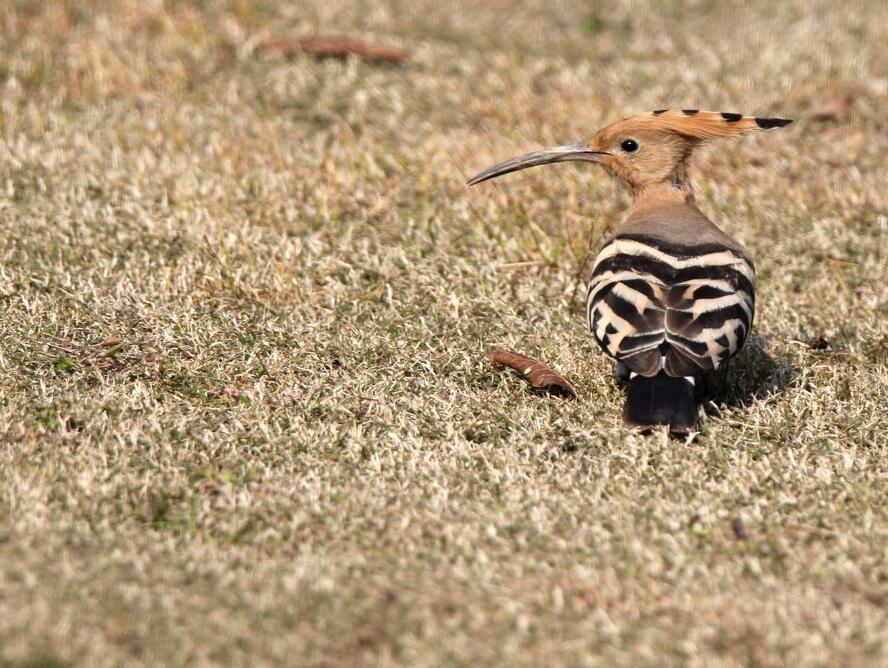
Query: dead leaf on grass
540	376
338	46
835	109
818	343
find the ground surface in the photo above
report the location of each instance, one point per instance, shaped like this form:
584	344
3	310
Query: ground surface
244	301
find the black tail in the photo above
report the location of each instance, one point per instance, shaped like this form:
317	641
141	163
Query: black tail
661	400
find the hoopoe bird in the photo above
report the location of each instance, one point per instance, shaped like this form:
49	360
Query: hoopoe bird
672	296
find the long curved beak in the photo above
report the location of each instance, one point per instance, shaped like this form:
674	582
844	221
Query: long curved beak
573	152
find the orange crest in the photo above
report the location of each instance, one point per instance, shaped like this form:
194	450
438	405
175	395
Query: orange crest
701	124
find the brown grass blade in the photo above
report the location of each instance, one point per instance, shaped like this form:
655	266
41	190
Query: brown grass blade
338	46
540	376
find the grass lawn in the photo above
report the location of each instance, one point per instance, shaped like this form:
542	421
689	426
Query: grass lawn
245	296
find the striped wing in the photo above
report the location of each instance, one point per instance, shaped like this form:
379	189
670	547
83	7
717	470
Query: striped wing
684	309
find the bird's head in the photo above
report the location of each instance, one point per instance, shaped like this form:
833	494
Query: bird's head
643	150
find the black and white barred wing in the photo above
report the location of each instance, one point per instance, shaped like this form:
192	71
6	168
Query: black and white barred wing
682	309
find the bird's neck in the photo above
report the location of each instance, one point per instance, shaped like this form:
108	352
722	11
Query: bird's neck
674	189
662	192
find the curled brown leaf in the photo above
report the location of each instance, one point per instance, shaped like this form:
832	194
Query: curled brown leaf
835	109
338	46
818	343
540	376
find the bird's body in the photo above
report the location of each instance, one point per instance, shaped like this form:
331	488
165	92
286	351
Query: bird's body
672	296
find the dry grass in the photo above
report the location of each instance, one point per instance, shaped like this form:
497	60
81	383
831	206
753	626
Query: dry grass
245	299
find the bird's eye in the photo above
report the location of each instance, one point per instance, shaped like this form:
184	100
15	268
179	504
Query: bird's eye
629	145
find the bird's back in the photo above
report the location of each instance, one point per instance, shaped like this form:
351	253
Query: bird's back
670	292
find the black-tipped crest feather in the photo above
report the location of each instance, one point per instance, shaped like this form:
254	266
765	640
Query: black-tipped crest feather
768	123
699	124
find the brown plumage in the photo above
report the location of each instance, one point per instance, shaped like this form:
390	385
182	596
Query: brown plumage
672	296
